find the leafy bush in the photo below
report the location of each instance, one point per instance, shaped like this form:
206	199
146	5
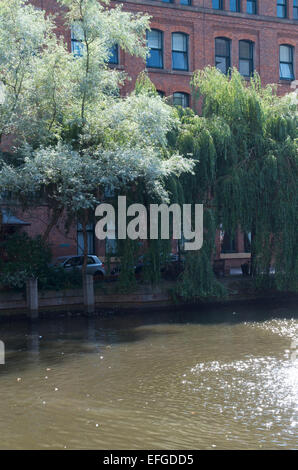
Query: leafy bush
27	257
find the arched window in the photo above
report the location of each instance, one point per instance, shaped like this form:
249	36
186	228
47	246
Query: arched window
286	62
155	44
246	58
179	51
251	7
282	8
181	99
222	54
235	5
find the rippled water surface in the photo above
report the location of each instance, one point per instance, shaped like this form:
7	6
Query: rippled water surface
206	379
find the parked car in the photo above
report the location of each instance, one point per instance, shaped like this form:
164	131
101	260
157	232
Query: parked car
94	265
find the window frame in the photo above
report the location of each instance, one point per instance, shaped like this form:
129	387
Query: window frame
228	42
220	5
238	6
75	40
185	53
184	95
90	229
250	59
161	49
291	48
295	9
116	46
283	4
254	4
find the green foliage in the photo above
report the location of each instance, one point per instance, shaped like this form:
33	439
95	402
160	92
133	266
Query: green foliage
246	173
25	257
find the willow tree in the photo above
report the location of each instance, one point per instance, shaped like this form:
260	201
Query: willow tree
245	146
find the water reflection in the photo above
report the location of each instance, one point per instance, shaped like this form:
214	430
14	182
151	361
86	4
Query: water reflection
203	379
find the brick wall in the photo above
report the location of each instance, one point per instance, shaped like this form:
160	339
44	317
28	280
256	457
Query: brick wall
203	24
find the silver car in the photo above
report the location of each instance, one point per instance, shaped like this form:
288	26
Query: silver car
94	265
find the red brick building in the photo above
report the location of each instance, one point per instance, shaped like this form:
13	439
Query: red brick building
188	35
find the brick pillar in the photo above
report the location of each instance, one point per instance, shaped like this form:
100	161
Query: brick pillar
32	298
89	299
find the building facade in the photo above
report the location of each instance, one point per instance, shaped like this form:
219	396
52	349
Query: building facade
185	36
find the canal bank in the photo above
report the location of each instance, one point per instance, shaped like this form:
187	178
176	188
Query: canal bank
108	299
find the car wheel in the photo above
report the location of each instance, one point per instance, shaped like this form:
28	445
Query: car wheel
98	276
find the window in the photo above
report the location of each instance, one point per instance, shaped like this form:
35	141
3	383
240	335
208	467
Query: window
167	1
111	246
286	62
235	5
251	7
295	9
228	243
114	55
217	4
246	53
154	42
222	54
282	8
90	239
247	242
180	51
181	99
185	2
77	36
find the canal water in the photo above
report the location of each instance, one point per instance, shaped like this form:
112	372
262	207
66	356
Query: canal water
213	378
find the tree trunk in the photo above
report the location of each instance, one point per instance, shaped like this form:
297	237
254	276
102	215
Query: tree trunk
54	220
87	279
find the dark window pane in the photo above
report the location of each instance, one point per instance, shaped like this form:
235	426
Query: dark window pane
235	5
154	59
113	59
285	53
246	66
221	64
222	54
286	65
179	61
251	7
295	10
228	244
181	99
154	42
281	11
217	4
179	42
222	47
179	51
244	49
286	71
